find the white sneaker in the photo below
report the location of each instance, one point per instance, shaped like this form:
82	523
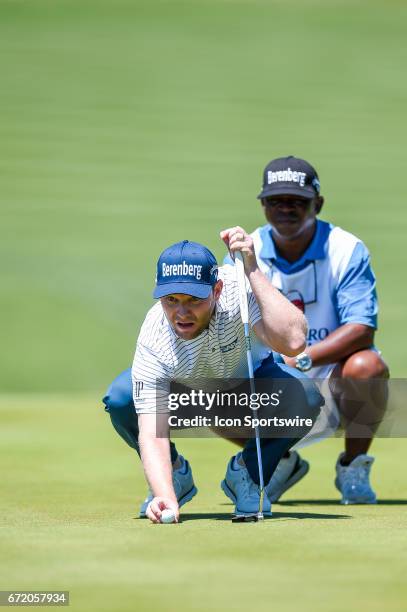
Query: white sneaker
289	471
184	486
241	489
353	480
144	505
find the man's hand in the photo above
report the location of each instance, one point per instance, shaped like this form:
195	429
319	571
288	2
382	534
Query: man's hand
237	239
156	457
282	326
157	505
290	361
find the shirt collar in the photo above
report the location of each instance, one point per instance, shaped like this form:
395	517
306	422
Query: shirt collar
316	250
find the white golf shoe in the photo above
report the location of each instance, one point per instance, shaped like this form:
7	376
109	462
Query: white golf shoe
353	480
184	486
241	489
288	472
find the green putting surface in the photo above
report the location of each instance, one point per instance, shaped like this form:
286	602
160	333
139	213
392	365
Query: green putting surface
70	494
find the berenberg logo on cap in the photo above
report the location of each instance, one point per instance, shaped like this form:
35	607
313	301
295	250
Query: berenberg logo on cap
182	269
286	176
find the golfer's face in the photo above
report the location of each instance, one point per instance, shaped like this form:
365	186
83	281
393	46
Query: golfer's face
188	315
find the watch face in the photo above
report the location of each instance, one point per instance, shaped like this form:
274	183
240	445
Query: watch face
304	362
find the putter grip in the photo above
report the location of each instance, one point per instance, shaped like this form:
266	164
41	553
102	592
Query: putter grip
241	283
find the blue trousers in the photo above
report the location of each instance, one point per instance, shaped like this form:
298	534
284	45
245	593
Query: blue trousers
303	394
119	404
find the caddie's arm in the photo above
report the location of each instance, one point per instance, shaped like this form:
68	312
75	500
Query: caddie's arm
339	344
283	326
156	458
356	309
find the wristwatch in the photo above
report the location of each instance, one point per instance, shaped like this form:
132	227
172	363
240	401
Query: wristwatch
303	362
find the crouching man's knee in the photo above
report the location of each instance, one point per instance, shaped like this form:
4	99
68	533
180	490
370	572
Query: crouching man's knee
364	364
119	395
119	404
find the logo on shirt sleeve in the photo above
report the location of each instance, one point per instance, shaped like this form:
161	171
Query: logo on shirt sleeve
138	386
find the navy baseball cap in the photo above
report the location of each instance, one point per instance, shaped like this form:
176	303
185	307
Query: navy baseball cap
290	176
186	267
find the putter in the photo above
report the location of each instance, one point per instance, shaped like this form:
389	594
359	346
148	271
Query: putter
244	313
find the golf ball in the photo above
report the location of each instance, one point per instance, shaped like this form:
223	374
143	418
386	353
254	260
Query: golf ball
167	516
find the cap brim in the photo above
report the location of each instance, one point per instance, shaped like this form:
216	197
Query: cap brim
195	289
304	192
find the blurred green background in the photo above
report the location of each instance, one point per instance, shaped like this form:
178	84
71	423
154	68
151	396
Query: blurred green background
128	125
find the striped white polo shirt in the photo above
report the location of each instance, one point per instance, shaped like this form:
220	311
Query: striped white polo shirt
218	352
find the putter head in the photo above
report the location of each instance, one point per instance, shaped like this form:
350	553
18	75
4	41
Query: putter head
248	518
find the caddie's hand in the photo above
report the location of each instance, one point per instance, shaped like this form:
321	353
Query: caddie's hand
237	239
157	505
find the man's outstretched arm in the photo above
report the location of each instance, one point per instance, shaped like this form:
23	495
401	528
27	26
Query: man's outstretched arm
340	344
156	458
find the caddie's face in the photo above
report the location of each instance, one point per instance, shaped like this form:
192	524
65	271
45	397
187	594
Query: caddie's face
291	215
190	316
